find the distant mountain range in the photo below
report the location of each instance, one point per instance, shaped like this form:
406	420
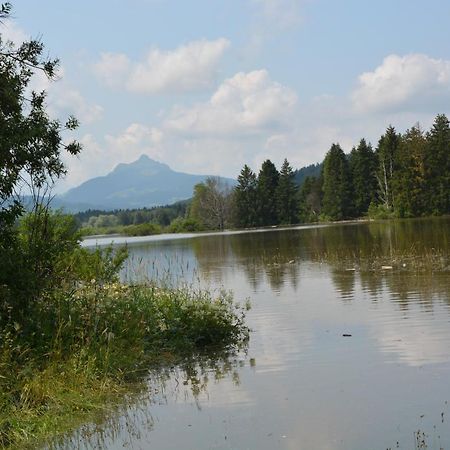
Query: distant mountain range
142	183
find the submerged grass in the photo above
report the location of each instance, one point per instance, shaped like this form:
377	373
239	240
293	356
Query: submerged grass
87	348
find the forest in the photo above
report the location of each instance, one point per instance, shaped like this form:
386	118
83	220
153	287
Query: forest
405	175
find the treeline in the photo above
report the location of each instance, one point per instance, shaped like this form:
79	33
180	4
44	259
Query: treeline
161	216
406	175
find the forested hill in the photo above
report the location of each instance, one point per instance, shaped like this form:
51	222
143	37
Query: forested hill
313	170
142	183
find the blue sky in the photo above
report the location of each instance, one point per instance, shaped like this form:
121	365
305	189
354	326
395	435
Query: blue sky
207	86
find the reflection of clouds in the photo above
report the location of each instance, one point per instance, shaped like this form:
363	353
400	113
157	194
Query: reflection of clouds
422	339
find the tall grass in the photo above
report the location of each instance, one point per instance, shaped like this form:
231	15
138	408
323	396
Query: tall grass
87	344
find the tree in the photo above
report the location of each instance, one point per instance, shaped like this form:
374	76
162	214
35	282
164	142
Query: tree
437	161
310	199
286	194
212	203
363	167
387	156
409	181
245	198
337	195
31	144
267	185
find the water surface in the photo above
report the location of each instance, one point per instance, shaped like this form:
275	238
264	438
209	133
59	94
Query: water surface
303	384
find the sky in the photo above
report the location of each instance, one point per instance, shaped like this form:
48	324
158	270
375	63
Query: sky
207	86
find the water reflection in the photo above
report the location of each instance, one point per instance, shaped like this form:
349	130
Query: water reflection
385	284
188	383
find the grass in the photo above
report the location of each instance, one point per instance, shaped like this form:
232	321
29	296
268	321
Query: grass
88	348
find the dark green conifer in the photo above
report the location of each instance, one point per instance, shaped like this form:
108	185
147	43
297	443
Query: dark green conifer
409	179
437	163
363	166
337	195
287	195
267	185
245	198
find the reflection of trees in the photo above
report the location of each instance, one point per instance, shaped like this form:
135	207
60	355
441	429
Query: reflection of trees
406	245
124	426
344	282
272	254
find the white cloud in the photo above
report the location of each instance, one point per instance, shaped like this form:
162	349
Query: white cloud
247	103
113	68
68	101
13	33
401	83
190	67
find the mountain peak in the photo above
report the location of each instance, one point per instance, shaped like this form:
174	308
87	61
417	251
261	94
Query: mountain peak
144	162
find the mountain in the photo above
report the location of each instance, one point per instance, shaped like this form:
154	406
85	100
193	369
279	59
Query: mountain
142	183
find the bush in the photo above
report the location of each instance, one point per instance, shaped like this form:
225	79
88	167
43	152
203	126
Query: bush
379	212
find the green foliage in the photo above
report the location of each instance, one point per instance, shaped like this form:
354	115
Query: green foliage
363	172
181	225
92	340
266	191
337	195
212	204
387	165
437	166
379	211
245	194
408	184
286	195
310	199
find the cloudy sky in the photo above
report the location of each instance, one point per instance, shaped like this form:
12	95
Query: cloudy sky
207	86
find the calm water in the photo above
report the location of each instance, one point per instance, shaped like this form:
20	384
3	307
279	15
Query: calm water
302	384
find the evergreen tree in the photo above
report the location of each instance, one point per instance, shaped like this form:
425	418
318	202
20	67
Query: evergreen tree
287	195
310	199
437	163
337	195
363	166
245	198
266	191
409	179
387	157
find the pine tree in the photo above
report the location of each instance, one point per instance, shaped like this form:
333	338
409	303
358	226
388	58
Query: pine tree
363	166
287	195
337	196
245	198
409	179
437	162
387	157
266	191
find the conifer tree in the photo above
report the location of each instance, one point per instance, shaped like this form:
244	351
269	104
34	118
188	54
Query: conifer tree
337	195
266	191
437	163
409	179
363	166
387	157
287	195
245	198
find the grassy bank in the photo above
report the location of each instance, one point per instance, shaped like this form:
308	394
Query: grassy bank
88	347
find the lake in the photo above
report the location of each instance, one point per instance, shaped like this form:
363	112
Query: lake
349	350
